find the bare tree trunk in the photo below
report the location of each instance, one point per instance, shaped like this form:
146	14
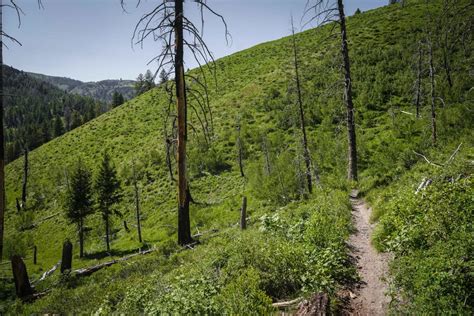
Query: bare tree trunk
418	80
25	179
184	227
268	168
137	205
352	169
240	152
20	275
306	155
168	159
2	143
35	254
81	238
107	230
434	135
243	214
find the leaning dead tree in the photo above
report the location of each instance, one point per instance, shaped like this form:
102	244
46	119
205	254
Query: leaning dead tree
323	12
304	140
168	24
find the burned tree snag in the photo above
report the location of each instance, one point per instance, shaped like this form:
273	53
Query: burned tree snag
20	276
168	158
434	135
240	152
306	155
2	141
184	228
418	80
137	203
35	253
25	179
243	214
66	261
352	168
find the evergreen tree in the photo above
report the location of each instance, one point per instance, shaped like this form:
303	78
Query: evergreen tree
164	77
117	99
149	81
58	127
139	84
108	193
79	201
76	120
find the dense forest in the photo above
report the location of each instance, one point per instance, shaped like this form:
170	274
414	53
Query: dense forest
238	187
37	111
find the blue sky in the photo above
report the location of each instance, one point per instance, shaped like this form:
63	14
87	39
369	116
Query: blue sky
89	40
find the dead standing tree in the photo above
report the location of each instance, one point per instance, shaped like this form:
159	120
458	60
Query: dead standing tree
306	154
326	11
167	24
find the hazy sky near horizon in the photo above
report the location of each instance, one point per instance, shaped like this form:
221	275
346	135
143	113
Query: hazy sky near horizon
90	40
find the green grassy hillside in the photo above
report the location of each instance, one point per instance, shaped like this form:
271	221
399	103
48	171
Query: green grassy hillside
295	244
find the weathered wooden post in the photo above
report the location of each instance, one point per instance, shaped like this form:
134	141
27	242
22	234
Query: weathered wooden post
243	214
20	275
66	261
35	252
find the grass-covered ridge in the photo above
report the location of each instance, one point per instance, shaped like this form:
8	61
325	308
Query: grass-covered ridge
294	246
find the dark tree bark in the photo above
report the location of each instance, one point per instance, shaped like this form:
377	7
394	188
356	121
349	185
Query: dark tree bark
66	260
418	80
35	253
2	141
184	226
81	238
25	179
137	205
352	168
168	158
107	231
434	135
306	155
240	149
20	275
243	214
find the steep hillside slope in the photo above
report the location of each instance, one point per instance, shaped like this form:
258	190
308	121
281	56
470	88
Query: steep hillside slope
36	111
296	242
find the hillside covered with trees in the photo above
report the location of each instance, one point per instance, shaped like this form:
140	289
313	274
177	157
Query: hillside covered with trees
36	112
275	142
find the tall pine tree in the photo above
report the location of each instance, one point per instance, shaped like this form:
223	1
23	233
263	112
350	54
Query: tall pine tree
79	201
108	194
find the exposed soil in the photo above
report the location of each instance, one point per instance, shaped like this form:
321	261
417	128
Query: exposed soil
368	298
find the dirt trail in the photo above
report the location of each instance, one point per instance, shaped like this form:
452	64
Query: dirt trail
370	298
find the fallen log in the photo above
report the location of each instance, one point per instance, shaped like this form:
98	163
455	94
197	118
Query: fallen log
48	273
287	303
90	270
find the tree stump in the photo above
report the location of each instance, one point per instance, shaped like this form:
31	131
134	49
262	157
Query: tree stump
66	261
317	305
20	275
243	214
35	252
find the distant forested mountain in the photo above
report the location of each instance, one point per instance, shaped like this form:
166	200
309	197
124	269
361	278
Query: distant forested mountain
37	111
100	90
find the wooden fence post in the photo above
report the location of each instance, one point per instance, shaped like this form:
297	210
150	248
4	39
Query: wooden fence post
66	261
20	275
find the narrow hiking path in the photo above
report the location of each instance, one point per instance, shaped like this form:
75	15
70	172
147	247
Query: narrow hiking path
369	298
